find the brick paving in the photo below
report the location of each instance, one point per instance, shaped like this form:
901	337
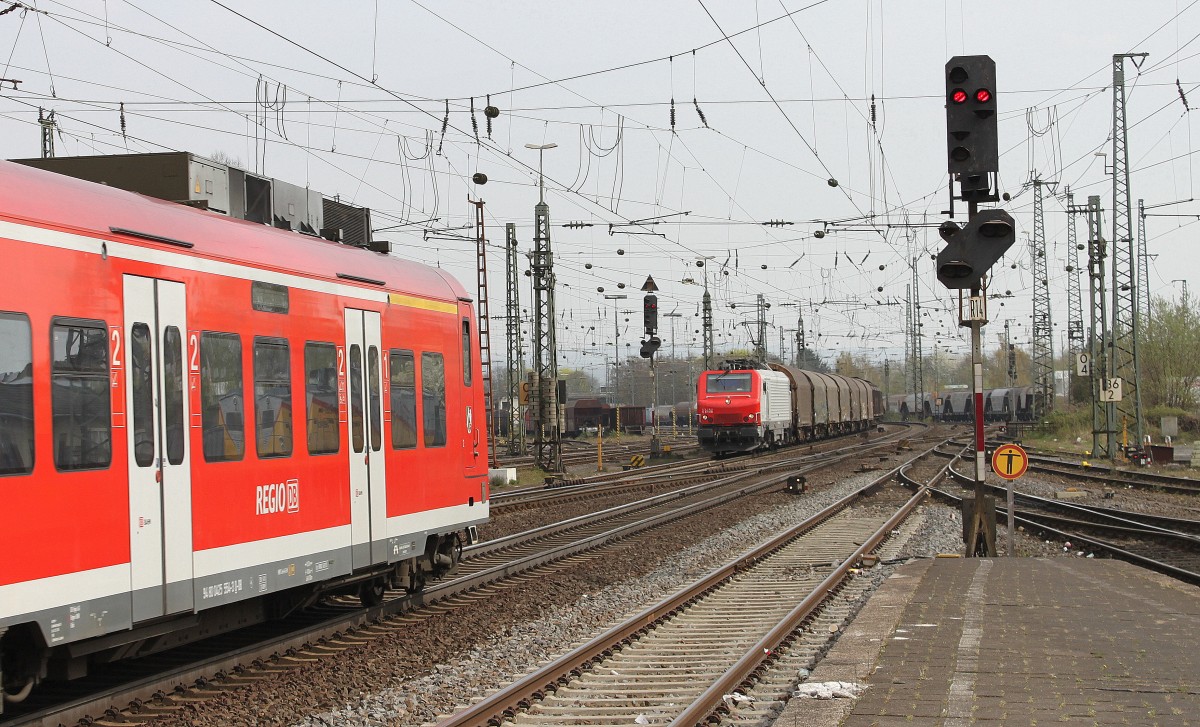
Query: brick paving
1037	642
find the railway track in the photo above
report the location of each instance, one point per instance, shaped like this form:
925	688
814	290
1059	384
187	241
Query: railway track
134	692
1104	474
679	660
1163	543
585	452
651	477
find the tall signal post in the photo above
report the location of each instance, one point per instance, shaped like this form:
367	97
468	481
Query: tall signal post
650	346
547	445
972	249
1125	325
516	356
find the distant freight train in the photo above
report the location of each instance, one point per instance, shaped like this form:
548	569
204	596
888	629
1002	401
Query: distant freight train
999	405
750	406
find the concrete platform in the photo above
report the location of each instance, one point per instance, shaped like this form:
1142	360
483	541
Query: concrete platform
1019	641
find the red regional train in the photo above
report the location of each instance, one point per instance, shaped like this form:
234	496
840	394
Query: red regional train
749	406
207	422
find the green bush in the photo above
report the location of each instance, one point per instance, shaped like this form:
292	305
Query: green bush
1064	424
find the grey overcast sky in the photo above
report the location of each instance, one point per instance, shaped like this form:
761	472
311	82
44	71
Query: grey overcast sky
349	98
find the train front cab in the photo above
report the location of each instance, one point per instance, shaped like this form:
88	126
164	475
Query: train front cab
728	402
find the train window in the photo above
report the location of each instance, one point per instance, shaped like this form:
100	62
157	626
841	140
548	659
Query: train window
269	297
356	409
727	383
222	404
141	372
374	398
321	394
173	419
466	351
433	399
16	391
272	398
403	371
80	397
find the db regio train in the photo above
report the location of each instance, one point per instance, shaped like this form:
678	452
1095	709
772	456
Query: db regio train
207	422
749	406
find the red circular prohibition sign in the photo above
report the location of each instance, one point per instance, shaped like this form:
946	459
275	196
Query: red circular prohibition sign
1010	461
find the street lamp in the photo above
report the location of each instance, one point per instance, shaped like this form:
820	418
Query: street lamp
541	149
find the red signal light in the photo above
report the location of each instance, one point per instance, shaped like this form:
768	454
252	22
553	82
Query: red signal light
983	95
958	96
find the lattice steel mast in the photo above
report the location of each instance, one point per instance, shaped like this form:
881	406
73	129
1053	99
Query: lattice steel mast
1010	355
707	325
799	335
1125	326
1075	337
1143	271
49	126
760	343
1043	332
1102	413
512	327
546	444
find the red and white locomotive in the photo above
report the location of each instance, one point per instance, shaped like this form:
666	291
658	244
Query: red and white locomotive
206	422
749	406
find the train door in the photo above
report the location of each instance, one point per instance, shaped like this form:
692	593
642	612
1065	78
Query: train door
150	348
368	489
474	443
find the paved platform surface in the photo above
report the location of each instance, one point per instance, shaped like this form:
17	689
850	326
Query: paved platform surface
1017	641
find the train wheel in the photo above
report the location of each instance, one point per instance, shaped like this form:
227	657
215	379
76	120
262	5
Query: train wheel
370	593
416	582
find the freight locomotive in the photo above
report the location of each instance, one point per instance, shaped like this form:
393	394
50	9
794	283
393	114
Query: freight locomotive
207	422
749	406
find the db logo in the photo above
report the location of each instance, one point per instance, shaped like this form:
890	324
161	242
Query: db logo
277	497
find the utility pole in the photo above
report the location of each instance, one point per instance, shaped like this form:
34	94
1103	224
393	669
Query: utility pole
1075	339
1043	332
516	357
1125	325
485	330
547	443
1103	412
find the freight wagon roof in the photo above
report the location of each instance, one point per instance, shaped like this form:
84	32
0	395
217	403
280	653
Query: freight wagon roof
73	205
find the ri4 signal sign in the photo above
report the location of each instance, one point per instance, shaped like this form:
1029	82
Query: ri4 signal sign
1010	461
